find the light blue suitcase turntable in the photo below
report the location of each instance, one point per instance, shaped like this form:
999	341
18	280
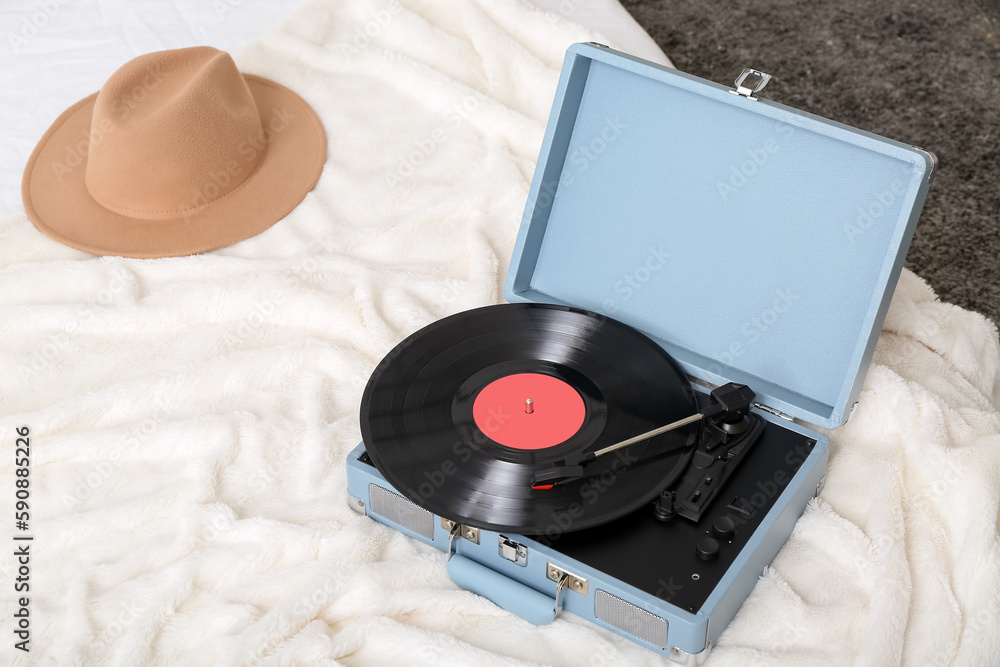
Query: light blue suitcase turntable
756	244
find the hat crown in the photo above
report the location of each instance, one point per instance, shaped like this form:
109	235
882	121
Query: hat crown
171	132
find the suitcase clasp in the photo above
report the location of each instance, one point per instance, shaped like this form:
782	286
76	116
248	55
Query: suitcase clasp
756	83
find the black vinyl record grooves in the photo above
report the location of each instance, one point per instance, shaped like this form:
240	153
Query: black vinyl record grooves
419	429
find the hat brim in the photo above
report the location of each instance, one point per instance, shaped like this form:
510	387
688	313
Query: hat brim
58	204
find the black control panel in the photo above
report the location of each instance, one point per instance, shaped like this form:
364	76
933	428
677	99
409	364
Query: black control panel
682	561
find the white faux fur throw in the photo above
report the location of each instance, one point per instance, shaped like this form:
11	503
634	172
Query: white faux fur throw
189	418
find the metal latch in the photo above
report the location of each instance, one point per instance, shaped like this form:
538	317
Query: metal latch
513	551
458	530
468	532
750	82
572	581
565	579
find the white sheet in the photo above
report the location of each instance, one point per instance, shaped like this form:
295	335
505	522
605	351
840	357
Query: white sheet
55	52
190	416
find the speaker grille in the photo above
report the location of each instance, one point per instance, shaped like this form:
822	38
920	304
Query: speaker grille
398	509
631	619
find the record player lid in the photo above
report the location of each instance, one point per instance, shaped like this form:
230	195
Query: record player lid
756	243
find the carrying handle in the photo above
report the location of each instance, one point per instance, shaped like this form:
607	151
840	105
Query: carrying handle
504	592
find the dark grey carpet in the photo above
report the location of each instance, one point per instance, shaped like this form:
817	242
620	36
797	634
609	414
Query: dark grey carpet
925	73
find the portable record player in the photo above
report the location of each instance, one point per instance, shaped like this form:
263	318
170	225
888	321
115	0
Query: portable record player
696	268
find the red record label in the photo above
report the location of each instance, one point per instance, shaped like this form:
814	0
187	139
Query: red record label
528	411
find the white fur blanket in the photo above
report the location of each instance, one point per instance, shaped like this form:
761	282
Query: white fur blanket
190	417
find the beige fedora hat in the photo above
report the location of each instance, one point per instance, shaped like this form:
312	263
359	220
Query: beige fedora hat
179	153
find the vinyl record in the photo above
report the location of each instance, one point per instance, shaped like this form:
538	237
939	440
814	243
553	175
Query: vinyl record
462	415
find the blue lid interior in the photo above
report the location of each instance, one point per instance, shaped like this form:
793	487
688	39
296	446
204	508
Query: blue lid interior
756	243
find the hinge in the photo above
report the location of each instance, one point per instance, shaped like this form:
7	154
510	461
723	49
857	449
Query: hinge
776	413
750	82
